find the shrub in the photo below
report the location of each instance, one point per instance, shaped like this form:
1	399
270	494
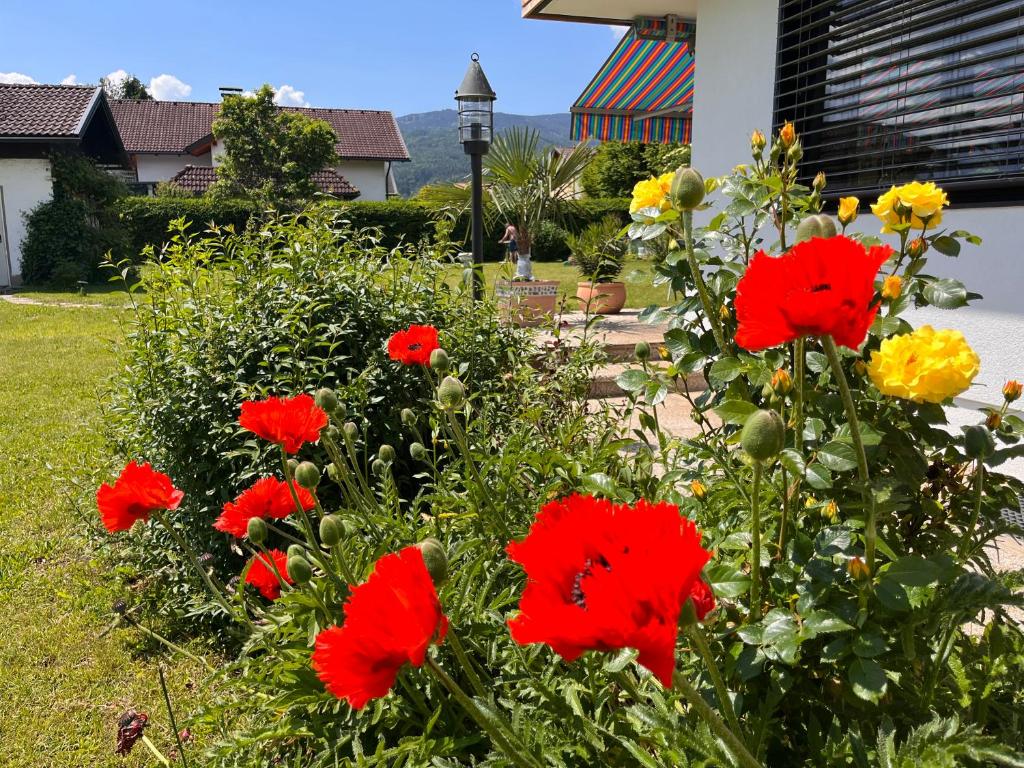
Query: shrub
550	243
599	250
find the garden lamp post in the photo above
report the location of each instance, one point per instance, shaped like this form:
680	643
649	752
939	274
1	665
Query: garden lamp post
476	127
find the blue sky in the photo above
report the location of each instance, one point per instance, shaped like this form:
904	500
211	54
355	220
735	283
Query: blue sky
402	55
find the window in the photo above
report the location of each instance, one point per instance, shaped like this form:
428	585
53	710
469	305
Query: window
886	91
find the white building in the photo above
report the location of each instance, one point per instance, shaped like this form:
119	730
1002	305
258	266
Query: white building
164	138
37	121
881	92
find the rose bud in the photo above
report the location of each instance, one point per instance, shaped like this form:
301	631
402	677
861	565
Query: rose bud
858	569
787	135
782	382
699	490
757	143
1012	390
994	420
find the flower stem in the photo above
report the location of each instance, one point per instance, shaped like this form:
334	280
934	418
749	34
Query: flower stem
161	639
715	723
516	753
702	289
464	662
870	534
979	487
755	532
161	758
696	634
170	716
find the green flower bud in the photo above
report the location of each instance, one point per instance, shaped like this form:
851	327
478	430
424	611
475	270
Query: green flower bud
763	435
451	394
818	225
642	350
687	190
435	559
386	454
378	467
296	550
332	530
795	153
418	452
326	399
307	475
439	361
332	472
350	430
979	442
292	466
256	530
408	417
333	433
299	570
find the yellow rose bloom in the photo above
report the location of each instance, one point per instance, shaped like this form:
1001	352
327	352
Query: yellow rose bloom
923	202
652	193
926	366
892	287
848	209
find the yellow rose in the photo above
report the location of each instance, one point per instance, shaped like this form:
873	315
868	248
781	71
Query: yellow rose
892	287
787	135
926	366
652	193
923	204
848	209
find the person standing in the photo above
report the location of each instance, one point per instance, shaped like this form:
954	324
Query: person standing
511	239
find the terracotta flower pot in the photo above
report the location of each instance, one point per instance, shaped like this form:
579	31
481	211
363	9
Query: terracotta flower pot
527	302
601	298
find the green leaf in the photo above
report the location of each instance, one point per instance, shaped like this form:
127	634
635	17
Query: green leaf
817	362
727	580
867	679
821	622
621	660
945	293
599	483
913	571
724	371
632	380
946	245
781	639
868	644
838	456
793	461
735	411
818	477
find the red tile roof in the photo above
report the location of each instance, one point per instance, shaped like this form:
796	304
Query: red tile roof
57	111
198	178
172	126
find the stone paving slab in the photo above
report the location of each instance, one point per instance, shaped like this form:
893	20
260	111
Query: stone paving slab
623	328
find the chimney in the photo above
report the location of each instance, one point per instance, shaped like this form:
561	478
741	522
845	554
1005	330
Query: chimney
229	90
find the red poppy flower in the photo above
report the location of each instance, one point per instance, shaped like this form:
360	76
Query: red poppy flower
287	421
413	345
703	599
390	620
261	575
603	577
822	287
266	498
138	491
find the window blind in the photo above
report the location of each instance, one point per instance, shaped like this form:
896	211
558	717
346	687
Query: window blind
887	91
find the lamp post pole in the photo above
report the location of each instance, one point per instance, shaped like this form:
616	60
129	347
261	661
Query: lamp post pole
476	162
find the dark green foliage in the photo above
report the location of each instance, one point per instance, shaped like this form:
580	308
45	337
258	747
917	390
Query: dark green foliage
617	166
129	88
550	243
68	236
599	250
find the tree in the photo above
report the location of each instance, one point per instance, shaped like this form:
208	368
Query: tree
618	165
270	153
129	88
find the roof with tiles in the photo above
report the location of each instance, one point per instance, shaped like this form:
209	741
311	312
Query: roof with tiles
198	178
45	111
164	127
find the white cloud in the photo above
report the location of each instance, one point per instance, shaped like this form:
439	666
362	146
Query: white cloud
116	78
168	88
71	79
617	30
287	96
15	78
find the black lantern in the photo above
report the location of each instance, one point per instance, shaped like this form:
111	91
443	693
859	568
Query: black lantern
476	129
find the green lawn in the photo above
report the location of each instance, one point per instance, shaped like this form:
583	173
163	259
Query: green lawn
108	295
61	686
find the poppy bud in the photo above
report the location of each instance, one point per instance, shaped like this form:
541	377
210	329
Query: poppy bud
296	550
333	433
418	452
917	247
408	417
293	464
256	530
757	143
699	490
435	559
439	360
299	570
978	441
451	394
350	430
332	472
332	529
994	420
386	453
642	350
892	287
858	569
782	382
1012	390
307	475
817	225
378	467
787	135
326	399
687	189
763	435
860	367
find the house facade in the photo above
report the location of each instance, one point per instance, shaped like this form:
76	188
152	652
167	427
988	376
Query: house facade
37	121
164	138
882	92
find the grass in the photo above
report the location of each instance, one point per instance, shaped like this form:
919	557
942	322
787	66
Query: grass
109	295
62	687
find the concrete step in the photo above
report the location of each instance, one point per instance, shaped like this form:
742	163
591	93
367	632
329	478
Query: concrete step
603	384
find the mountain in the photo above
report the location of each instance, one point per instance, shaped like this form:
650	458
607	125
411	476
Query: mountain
433	141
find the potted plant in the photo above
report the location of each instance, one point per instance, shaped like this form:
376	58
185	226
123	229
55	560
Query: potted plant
599	253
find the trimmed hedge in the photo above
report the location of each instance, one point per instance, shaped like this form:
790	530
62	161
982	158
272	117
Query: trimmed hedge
400	221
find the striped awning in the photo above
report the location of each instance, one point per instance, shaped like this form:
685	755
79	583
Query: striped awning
644	91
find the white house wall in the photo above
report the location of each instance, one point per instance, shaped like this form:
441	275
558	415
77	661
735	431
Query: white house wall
152	168
368	176
26	183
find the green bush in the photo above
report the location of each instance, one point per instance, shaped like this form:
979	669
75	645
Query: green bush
599	251
550	243
302	303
